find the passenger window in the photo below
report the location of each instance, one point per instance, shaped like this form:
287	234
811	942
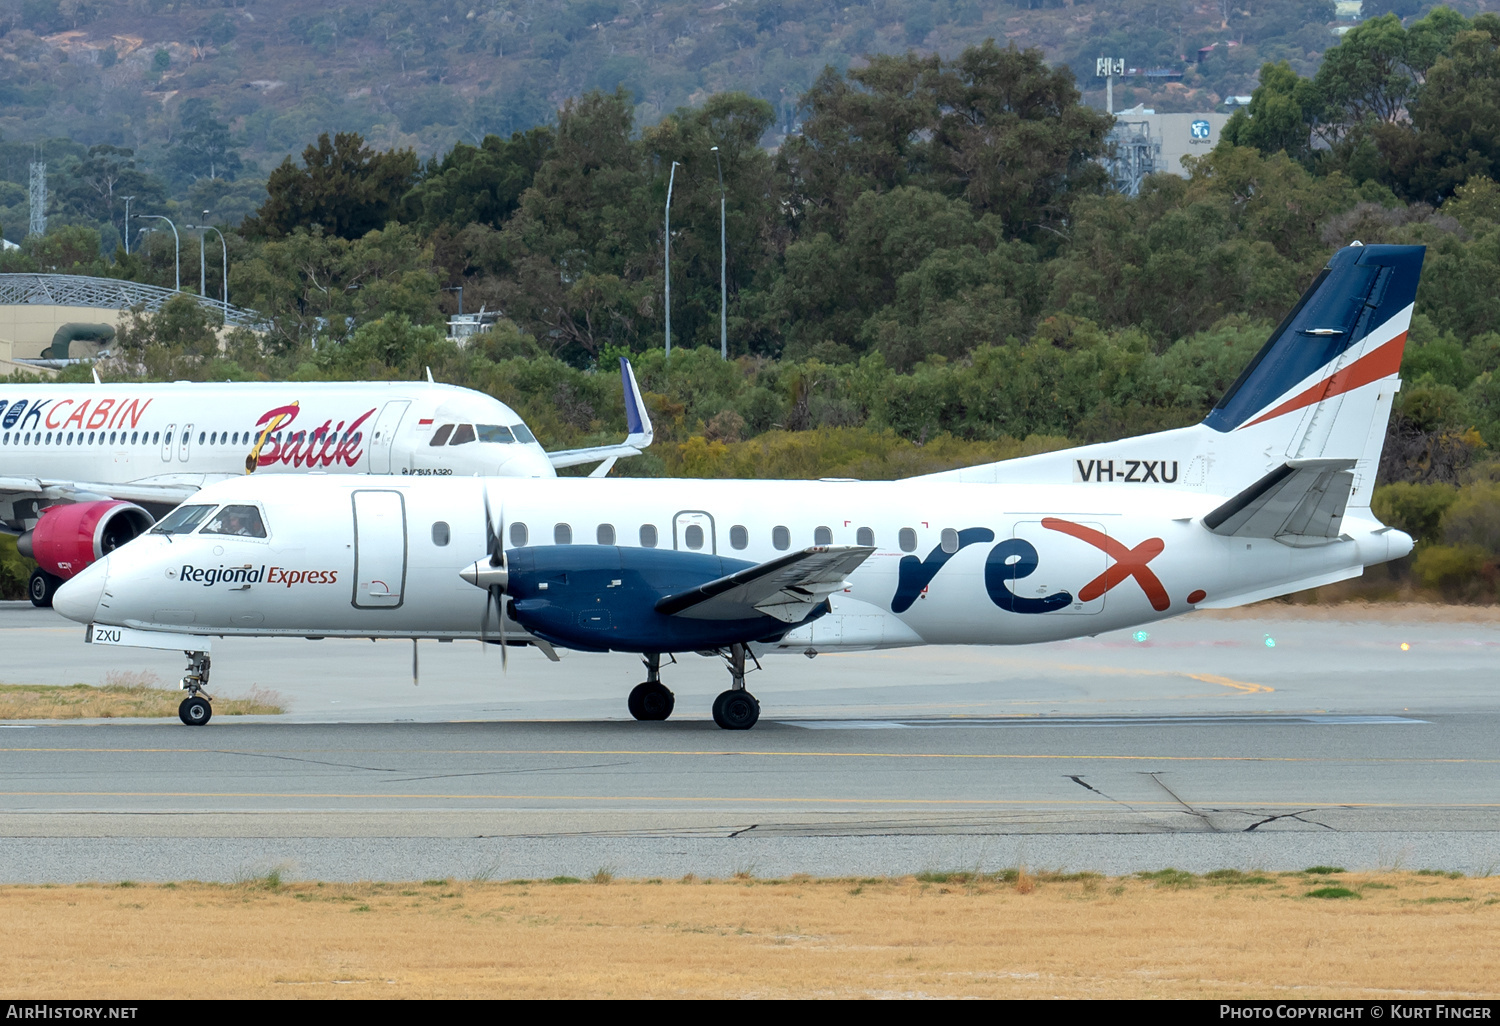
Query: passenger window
523	434
950	540
781	539
606	534
242	521
518	534
462	434
494	433
562	534
864	536
182	520
739	538
440	533
70	438
200	437
822	536
908	540
693	537
213	439
648	536
440	436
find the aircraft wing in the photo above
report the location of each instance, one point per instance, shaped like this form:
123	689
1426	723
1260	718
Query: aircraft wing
1301	500
636	419
90	491
787	587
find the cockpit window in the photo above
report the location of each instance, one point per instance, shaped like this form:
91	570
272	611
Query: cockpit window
463	433
243	521
495	433
182	520
440	436
523	434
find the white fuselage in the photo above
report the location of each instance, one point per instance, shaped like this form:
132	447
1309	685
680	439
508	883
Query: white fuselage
195	433
322	570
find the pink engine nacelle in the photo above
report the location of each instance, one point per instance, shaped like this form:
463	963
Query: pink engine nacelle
69	538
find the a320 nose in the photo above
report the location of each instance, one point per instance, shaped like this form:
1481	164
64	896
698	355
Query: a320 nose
78	598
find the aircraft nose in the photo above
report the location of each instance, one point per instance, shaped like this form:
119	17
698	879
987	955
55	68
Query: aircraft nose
527	463
78	598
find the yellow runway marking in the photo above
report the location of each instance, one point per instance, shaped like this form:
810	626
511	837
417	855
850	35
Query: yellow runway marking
754	754
1238	685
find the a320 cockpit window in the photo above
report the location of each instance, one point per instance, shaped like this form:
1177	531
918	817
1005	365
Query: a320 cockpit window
494	433
462	434
440	436
182	520
523	434
239	521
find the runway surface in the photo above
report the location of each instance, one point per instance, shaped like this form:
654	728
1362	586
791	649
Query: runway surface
1201	746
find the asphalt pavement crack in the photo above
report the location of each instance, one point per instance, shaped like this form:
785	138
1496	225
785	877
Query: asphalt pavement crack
1156	776
745	830
1290	815
1077	778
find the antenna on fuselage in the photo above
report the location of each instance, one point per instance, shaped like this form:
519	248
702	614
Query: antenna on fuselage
95	371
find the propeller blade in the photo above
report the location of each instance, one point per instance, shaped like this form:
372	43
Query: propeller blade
504	648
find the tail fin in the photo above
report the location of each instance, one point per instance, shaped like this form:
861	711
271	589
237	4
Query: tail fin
1319	389
1322	387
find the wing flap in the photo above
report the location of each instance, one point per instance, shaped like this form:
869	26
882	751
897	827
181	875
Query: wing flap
788	587
1298	502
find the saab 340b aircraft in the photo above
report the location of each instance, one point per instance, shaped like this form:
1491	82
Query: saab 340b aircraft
1270	494
85	468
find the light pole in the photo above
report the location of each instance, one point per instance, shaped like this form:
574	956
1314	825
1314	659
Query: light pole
223	242
667	260
127	224
460	290
723	293
177	261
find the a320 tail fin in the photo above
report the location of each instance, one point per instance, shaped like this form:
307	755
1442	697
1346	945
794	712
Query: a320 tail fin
1319	389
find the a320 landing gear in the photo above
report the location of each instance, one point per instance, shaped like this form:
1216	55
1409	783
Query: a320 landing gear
197	708
650	699
736	709
42	587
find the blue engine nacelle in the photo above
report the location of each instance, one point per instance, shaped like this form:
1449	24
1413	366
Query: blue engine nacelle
601	598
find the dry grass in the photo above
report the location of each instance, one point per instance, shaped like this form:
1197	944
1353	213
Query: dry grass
123	694
1016	934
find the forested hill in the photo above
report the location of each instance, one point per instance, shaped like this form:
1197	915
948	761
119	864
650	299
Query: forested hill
427	73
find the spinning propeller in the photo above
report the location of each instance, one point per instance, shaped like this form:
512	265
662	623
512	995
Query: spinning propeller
492	575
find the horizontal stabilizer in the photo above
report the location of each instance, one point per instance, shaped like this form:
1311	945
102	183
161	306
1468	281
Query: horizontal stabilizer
787	587
1302	500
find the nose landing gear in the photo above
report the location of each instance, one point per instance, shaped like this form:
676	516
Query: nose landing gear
197	708
650	700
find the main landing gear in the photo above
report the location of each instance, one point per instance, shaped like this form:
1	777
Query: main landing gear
735	709
197	708
650	699
42	587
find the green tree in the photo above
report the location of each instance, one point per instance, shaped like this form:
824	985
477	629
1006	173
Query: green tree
203	147
1454	132
478	184
1282	114
343	188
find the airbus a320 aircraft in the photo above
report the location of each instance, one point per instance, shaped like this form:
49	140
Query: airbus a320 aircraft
85	468
1270	494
